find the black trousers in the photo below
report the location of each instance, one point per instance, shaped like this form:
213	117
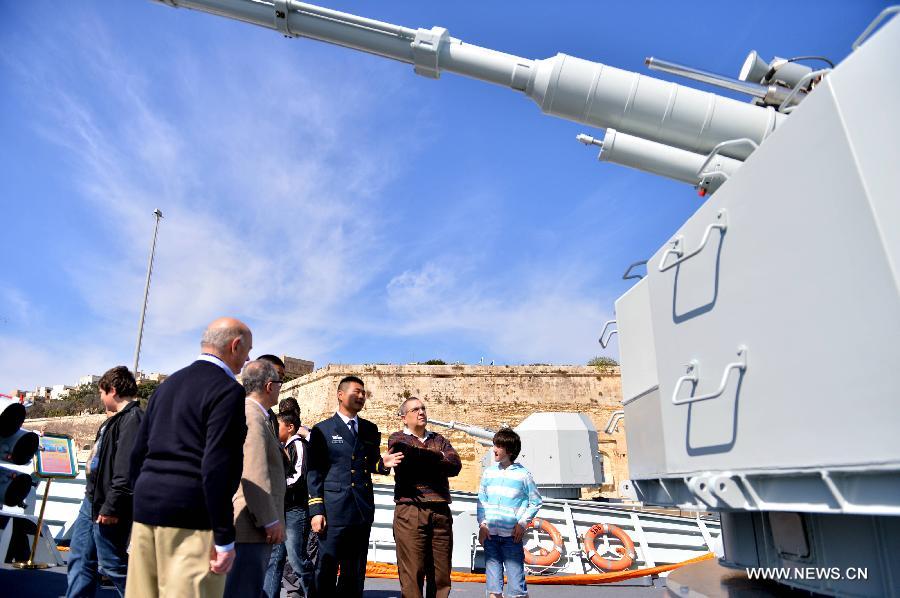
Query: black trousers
345	546
248	574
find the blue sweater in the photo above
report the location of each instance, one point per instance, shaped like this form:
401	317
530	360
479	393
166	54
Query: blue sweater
188	455
507	497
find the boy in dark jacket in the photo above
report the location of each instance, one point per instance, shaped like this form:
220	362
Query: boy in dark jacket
100	533
296	504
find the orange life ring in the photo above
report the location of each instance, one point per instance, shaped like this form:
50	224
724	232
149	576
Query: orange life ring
626	551
544	557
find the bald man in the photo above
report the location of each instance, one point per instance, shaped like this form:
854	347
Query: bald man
187	463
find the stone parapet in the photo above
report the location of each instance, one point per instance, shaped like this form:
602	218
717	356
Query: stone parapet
487	396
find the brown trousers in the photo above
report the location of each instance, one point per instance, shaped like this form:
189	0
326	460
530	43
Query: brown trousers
424	537
171	562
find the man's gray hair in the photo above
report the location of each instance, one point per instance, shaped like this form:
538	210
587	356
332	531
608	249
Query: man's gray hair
220	338
406	402
256	374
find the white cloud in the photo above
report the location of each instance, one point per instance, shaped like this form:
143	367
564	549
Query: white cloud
274	187
419	289
270	214
15	307
26	365
539	316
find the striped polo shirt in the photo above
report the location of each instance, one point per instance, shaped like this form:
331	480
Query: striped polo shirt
507	496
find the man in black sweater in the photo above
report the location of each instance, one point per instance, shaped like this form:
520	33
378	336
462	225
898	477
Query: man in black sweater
187	461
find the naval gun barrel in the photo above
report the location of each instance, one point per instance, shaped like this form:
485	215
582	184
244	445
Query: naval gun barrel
571	88
482	435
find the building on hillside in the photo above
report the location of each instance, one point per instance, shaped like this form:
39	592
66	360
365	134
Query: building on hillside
59	391
89	379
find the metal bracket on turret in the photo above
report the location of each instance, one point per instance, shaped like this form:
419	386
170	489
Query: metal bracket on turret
605	343
786	106
884	14
426	50
281	17
711	180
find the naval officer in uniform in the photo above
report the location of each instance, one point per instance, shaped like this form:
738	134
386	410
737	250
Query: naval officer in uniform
343	454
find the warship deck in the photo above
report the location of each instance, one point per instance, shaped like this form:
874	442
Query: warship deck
47	583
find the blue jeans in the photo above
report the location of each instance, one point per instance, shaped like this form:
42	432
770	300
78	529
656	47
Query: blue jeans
294	551
500	552
96	549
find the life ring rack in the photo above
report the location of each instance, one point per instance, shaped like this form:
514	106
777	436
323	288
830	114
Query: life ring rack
544	558
626	551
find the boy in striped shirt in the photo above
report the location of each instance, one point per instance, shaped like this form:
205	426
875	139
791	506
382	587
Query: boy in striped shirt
507	501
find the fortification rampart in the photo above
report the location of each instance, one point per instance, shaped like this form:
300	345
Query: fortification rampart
488	396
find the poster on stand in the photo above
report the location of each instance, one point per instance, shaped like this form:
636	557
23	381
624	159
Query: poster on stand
56	457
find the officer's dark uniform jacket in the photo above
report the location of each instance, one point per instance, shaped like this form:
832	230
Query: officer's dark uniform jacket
340	471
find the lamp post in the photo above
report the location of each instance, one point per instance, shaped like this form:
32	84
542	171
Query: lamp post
137	351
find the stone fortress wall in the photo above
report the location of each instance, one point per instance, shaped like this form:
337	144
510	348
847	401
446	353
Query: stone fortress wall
82	428
486	396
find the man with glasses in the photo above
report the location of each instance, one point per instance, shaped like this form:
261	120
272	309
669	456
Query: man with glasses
423	524
277	561
279	369
259	501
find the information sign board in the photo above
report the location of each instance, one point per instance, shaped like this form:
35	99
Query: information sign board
56	457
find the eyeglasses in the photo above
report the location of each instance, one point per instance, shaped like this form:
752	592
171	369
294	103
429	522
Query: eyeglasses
277	381
416	409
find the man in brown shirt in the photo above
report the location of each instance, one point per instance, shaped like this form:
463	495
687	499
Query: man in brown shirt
423	524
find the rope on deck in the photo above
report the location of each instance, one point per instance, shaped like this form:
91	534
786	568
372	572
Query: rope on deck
388	571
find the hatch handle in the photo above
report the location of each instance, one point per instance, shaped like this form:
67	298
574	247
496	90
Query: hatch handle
693	376
628	275
605	343
677	244
718	149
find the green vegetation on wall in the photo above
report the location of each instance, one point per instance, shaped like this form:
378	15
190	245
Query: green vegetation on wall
82	400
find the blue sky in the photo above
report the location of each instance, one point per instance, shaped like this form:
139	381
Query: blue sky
347	209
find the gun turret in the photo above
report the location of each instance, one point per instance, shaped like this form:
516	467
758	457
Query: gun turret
560	450
572	88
